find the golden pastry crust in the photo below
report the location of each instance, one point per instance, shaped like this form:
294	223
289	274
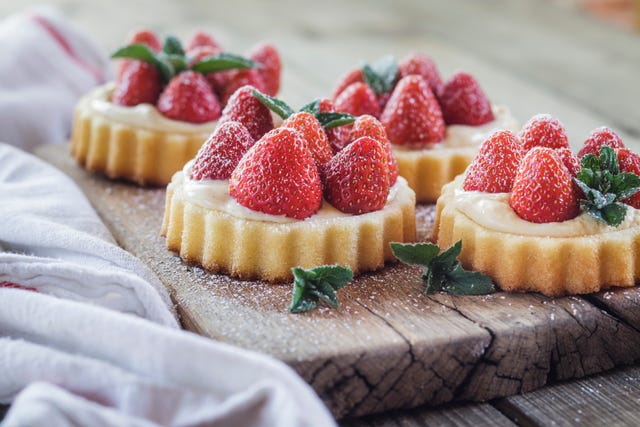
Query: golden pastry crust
553	266
120	150
255	249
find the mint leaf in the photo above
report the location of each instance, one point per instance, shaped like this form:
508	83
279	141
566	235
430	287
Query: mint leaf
443	272
223	61
319	283
140	52
381	75
172	46
274	104
312	108
614	214
178	62
332	119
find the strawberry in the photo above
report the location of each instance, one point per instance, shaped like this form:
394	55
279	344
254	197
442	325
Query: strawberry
267	55
371	127
139	83
629	162
220	154
569	160
463	101
357	178
278	176
202	38
338	136
245	108
217	80
543	189
236	79
147	38
358	99
420	64
494	167
199	53
313	133
353	76
543	130
412	117
189	98
602	136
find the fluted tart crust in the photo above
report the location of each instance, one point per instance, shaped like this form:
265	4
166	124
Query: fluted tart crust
581	257
250	247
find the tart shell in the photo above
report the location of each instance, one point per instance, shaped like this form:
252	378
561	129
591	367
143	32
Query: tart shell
553	266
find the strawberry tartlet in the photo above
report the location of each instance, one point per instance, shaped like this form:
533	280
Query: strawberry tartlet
254	208
165	101
435	128
535	217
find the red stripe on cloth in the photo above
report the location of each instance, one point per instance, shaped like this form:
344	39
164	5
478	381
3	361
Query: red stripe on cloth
66	46
16	286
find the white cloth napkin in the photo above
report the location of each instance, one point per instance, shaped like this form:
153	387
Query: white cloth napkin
47	64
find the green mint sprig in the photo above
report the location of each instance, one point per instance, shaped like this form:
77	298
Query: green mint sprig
381	75
282	109
443	271
604	187
318	284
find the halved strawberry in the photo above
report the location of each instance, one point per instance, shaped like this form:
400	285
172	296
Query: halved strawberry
629	162
139	83
412	117
203	38
357	178
338	136
358	99
543	189
543	130
600	137
245	108
353	76
267	55
370	126
494	167
463	101
220	154
189	98
278	176
235	79
420	64
313	133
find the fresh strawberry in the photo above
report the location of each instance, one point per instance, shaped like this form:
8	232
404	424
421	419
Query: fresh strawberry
383	98
358	99
412	116
245	108
139	83
494	167
629	162
202	38
313	133
236	79
278	176
357	178
569	160
543	189
199	53
353	76
189	98
602	136
420	64
338	136
217	80
220	154
147	38
267	55
463	102
543	130
371	127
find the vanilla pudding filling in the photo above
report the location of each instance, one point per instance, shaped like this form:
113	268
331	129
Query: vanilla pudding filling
214	194
458	137
492	211
142	116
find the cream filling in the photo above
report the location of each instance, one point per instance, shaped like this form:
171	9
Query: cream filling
492	211
463	136
143	116
214	194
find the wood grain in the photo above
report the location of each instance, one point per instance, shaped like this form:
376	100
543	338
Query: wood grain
388	346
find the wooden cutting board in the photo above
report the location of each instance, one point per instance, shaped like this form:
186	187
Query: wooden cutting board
388	345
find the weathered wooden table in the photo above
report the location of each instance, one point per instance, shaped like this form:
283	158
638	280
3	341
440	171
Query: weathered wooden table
534	57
